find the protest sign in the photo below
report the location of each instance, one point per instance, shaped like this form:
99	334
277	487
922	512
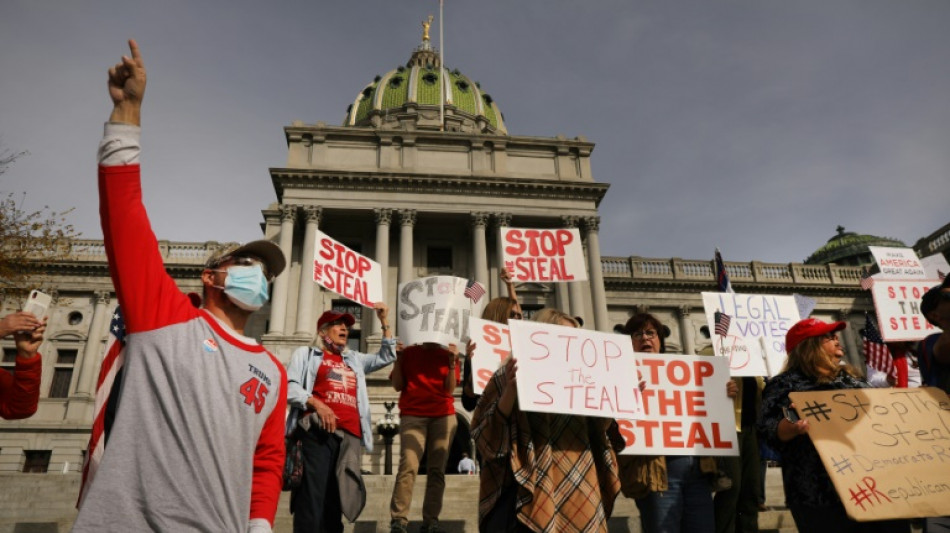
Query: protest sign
436	309
898	309
492	346
544	254
345	272
897	263
935	267
686	410
574	371
887	451
747	322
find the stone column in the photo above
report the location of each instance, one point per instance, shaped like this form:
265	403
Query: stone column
383	220
596	272
686	330
502	220
407	221
278	301
479	221
852	354
85	384
574	288
305	323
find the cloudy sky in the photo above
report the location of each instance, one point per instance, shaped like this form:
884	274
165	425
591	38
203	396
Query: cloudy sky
754	125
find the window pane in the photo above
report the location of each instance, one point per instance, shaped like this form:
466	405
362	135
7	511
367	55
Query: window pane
9	355
439	258
36	461
346	306
66	356
60	386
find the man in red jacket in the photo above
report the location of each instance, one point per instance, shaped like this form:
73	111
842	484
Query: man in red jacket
20	390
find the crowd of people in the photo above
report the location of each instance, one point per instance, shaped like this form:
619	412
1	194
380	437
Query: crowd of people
200	441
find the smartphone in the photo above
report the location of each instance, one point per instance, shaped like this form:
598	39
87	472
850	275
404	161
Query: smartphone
37	303
790	414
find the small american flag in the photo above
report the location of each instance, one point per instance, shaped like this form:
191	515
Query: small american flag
722	323
866	280
111	366
474	290
876	353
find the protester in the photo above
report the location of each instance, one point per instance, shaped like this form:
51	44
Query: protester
934	359
737	507
198	440
541	471
20	390
425	376
498	310
466	465
330	414
673	493
814	364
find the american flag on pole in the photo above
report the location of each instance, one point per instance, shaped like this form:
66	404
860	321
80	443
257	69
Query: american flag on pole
111	365
722	278
876	353
722	323
866	280
474	290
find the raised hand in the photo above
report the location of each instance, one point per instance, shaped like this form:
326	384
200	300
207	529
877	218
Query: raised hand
19	321
127	87
28	342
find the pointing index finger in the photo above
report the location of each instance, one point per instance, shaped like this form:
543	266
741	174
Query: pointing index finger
136	54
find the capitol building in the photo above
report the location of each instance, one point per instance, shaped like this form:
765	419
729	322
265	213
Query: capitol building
423	189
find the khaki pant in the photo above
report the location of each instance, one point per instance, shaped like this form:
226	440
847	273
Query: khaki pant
418	434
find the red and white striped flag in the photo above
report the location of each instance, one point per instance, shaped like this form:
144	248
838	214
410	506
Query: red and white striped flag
111	365
474	290
867	281
876	353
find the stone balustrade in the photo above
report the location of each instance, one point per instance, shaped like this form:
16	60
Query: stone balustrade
178	253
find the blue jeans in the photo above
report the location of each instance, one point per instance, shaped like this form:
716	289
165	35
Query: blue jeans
687	505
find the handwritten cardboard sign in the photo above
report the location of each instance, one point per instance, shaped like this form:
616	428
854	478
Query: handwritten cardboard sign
686	410
574	371
435	309
898	309
935	265
897	263
544	254
752	319
351	275
887	451
492	347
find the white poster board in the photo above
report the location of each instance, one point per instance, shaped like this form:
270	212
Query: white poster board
934	266
544	254
492	347
574	371
686	410
897	263
435	309
897	303
352	275
753	318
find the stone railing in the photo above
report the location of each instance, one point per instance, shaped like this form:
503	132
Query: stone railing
176	253
642	268
934	243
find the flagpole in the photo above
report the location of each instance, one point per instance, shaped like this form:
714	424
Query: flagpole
441	74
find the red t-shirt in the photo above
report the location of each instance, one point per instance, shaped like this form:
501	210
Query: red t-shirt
425	368
336	386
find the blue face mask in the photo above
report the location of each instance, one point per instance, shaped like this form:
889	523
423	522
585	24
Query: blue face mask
246	287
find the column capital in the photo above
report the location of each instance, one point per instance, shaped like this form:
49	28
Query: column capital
501	220
383	216
102	297
407	217
313	213
288	212
682	311
570	221
592	223
479	219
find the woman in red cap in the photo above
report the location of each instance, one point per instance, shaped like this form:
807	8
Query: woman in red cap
814	364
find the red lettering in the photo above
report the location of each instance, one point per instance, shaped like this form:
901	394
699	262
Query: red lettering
697	436
648	426
491	334
547	352
704	369
364	266
695	401
518	246
564	237
542	391
626	431
671	372
255	393
484	376
673	434
327	252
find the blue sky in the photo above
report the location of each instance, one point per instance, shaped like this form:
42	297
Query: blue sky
754	125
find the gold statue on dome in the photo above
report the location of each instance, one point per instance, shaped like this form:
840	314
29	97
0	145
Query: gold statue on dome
425	28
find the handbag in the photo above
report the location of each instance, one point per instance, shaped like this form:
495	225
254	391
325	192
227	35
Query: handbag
293	463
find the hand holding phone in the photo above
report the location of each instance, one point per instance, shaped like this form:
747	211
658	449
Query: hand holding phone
790	414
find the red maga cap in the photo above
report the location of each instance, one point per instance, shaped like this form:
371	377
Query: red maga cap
810	327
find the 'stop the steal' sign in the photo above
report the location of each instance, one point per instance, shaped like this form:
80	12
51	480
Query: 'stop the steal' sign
897	263
345	272
492	347
898	309
544	254
887	451
574	371
436	309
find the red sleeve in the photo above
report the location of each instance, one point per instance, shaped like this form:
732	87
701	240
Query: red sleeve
269	457
20	392
148	295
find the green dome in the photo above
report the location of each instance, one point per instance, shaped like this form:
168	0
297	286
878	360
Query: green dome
411	93
850	248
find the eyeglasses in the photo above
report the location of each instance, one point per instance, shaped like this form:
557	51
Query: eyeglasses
243	261
517	315
646	334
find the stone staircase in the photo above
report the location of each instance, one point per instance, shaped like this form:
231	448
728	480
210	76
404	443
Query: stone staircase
43	503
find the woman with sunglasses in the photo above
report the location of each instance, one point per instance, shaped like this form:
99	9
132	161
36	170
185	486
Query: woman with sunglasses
814	364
